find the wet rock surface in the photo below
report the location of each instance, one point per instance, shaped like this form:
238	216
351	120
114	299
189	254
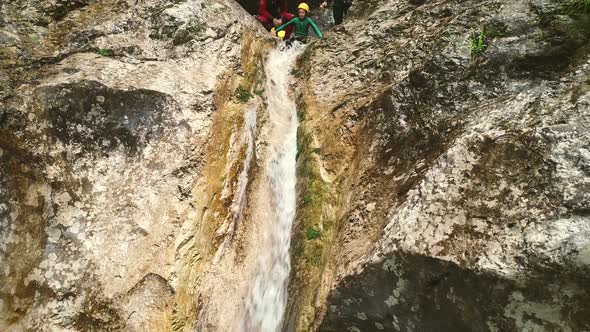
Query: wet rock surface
466	167
442	186
106	109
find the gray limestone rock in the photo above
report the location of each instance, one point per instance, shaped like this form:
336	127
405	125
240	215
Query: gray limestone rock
105	111
477	164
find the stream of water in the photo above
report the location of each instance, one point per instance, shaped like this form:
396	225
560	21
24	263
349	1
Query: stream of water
265	305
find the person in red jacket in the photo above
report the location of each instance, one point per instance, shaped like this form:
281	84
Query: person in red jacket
273	13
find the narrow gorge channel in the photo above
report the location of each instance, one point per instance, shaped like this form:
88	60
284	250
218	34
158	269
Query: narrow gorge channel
266	301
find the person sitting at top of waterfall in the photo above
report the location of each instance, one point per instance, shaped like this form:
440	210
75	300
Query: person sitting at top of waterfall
302	23
340	9
273	13
277	22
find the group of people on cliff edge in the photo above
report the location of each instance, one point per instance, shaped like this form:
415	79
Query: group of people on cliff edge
273	14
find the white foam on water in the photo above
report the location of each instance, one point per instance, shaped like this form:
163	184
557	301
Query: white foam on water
266	302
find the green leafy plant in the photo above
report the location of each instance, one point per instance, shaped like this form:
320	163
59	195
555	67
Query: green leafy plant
103	52
477	41
571	7
313	233
243	94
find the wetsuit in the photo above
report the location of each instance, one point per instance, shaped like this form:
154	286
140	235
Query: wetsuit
301	27
340	9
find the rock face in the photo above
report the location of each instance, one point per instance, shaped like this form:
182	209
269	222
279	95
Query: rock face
106	109
443	183
449	183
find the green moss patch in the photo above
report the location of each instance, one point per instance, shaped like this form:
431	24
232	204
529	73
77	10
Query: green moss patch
314	232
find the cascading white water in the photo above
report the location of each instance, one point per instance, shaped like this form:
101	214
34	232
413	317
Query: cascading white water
266	302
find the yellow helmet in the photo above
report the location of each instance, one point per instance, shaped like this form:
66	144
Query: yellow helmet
303	6
281	34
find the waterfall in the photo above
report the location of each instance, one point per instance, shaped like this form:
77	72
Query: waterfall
266	302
